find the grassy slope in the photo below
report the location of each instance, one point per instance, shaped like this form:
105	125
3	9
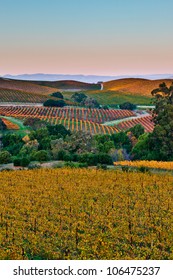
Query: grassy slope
23	130
113	98
135	86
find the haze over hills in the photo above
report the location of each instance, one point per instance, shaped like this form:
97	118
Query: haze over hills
84	78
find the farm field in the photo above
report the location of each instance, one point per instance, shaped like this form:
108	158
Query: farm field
85	214
75	119
144	163
10	95
145	121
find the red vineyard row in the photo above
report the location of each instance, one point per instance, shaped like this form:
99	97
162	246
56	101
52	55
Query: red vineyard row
146	122
93	115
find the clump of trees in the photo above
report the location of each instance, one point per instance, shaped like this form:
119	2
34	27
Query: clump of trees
127	106
85	100
58	94
158	145
54	103
34	123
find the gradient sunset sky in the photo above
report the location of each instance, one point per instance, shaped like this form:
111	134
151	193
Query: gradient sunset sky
102	37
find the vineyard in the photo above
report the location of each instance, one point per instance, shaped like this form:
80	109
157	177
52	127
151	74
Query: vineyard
145	163
94	115
85	214
145	121
75	119
25	86
10	95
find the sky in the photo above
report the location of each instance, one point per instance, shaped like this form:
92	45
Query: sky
102	37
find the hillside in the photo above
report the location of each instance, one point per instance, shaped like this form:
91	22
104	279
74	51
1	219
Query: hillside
135	86
25	86
68	85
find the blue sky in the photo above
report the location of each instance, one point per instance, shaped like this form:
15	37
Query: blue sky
88	37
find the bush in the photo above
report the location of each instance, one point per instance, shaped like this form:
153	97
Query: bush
76	164
24	161
58	94
16	162
35	123
41	155
78	97
5	157
68	157
90	159
70	164
127	106
104	158
54	103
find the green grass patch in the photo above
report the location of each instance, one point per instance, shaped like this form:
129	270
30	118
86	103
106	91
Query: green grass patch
113	98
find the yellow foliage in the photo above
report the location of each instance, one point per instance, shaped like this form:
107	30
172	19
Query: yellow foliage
147	163
85	214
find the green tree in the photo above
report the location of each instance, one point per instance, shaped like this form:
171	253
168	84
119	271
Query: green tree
137	130
78	97
127	106
121	140
54	103
161	139
5	157
58	94
41	155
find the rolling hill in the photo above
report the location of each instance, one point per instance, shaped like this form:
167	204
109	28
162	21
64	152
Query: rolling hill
68	85
25	86
135	86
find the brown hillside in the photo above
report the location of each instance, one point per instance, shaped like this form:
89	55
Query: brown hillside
135	86
27	87
68	85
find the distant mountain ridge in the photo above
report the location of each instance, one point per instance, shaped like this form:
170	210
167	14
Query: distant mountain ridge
83	78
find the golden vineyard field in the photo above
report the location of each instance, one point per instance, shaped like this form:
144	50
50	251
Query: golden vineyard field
146	163
85	214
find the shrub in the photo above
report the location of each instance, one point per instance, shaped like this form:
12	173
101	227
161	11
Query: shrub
68	157
41	155
70	164
127	106
16	161
5	157
24	161
58	94
54	103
